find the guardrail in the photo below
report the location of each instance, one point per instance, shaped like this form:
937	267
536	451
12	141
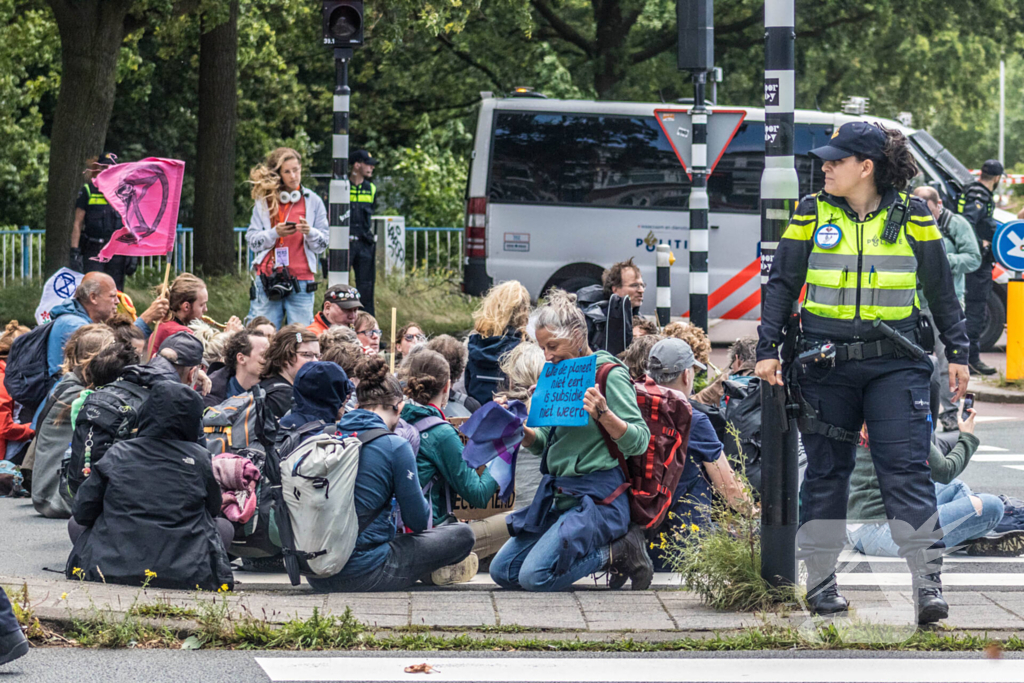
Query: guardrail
442	251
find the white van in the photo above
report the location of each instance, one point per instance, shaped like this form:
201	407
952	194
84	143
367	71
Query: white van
560	189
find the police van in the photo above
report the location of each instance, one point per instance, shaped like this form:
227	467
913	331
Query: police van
560	189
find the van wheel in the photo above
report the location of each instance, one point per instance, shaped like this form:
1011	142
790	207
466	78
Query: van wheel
995	322
575	284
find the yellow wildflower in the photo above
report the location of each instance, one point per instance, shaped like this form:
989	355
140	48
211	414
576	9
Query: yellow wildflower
694	528
223	588
77	571
150	574
63	596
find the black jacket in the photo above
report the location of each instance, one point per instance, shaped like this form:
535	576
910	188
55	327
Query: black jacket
279	395
360	213
150	503
219	380
978	209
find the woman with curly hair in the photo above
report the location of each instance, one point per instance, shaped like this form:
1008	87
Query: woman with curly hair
498	326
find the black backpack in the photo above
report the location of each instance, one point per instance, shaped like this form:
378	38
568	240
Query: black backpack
28	379
743	412
609	322
110	414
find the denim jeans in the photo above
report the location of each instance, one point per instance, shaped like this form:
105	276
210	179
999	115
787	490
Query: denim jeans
8	622
528	561
298	306
960	523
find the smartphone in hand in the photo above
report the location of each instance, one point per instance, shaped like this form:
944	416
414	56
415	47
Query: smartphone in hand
968	405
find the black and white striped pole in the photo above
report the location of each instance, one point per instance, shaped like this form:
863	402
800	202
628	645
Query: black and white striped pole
780	190
339	195
664	284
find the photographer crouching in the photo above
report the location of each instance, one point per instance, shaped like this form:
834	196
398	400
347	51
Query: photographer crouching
287	232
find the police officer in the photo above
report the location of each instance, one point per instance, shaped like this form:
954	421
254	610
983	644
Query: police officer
363	247
95	222
860	246
976	205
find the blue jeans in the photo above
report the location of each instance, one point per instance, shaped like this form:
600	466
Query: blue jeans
957	517
298	306
528	561
8	622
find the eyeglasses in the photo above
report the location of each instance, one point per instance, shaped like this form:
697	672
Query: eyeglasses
309	355
415	337
371	333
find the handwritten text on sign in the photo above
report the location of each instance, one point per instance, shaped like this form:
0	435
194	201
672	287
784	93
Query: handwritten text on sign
558	399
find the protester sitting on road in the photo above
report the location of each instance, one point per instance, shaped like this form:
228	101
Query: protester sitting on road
522	367
644	326
54	428
148	512
382	560
454	351
966	518
672	366
292	347
261	323
408	336
128	333
11	432
347	356
635	357
498	326
563	537
611	307
369	333
213	345
739	369
341	305
243	363
187	301
106	367
318	395
339	334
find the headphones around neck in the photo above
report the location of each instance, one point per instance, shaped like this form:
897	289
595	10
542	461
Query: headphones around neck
287	197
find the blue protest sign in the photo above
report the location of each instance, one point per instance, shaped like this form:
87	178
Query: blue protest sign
558	399
1008	246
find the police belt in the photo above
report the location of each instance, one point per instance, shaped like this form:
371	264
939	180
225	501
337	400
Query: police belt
865	350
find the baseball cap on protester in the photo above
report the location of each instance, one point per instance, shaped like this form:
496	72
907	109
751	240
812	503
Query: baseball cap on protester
856	137
343	296
187	349
672	356
992	167
362	156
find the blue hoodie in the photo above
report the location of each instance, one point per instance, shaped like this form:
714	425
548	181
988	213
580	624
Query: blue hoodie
483	372
67	317
387	470
319	392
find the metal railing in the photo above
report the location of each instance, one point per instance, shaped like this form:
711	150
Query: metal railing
21	253
443	249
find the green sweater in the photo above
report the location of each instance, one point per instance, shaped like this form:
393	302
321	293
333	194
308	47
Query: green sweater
866	504
441	453
582	450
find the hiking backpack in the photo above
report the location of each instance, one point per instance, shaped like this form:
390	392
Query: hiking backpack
241	422
652	477
110	414
28	379
609	322
742	437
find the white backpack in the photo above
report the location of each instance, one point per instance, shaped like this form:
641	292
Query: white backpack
318	483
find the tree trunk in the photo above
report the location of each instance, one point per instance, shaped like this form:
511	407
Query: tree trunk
91	32
215	147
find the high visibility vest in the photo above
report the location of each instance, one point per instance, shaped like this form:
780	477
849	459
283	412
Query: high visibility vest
852	272
357	195
95	198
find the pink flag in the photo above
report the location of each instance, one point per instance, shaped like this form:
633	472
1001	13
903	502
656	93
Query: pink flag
146	194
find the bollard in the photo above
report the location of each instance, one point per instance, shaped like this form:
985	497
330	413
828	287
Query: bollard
1015	327
339	193
664	291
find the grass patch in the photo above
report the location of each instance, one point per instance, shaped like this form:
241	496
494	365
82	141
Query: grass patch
1001	381
164	610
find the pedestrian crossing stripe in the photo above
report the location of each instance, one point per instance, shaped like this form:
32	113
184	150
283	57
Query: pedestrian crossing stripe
949	579
998	457
993	449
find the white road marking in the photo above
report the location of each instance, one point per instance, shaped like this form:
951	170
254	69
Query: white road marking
851	556
998	457
640	670
994	418
993	449
993	580
1014	467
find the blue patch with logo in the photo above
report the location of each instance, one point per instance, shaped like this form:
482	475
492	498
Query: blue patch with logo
828	236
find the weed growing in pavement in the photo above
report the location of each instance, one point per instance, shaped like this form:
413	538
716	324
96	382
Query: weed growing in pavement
319	632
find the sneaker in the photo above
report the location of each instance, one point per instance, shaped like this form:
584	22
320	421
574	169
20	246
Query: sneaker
461	572
1007	544
12	646
949	421
1013	520
979	367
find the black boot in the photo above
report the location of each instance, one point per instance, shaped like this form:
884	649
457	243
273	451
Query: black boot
12	646
822	592
926	575
628	559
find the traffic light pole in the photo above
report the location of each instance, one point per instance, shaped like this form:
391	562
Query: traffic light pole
780	191
339	195
699	206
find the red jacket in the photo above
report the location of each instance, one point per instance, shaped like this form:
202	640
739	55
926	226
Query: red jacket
9	429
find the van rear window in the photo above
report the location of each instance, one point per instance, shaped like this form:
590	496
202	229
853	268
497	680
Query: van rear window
584	160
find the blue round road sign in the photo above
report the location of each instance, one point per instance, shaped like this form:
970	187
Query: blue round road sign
1008	246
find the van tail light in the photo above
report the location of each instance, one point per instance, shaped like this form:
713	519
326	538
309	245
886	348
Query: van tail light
476	227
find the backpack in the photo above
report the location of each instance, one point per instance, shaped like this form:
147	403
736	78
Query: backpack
109	415
653	476
28	379
609	322
241	422
317	490
743	411
411	433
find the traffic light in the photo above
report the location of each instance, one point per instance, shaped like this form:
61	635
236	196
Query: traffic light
343	23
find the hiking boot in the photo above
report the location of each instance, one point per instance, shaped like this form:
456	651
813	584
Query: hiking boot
949	421
460	572
628	559
1006	544
12	646
926	579
823	597
978	367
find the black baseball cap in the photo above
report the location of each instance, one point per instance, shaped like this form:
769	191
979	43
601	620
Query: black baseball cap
343	296
992	167
188	350
362	156
856	137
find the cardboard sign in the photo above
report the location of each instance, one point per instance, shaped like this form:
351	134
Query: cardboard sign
495	506
558	399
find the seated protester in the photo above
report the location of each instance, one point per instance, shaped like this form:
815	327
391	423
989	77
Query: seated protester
187	299
347	356
740	369
966	517
611	307
54	429
243	363
128	333
318	395
408	336
11	432
150	504
644	326
459	404
106	367
213	344
522	367
565	536
635	357
498	326
262	323
339	334
341	305
292	347
383	560
671	365
368	332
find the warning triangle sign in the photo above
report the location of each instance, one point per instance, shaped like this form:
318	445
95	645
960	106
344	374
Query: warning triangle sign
677	125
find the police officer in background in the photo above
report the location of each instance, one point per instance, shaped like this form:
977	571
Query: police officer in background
860	246
363	246
95	222
976	205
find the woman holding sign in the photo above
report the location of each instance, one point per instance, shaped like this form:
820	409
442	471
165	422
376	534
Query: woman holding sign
578	523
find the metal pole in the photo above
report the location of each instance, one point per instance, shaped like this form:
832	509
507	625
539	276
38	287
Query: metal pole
664	293
699	206
780	189
339	193
1002	111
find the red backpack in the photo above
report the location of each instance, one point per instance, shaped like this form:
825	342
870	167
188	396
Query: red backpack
653	476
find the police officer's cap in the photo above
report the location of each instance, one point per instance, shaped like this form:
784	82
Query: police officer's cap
857	137
992	167
362	156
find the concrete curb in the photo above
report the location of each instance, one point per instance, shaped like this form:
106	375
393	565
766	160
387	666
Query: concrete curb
989	394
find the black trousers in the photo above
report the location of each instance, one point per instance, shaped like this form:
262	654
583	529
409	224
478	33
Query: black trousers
115	267
891	395
363	257
979	286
